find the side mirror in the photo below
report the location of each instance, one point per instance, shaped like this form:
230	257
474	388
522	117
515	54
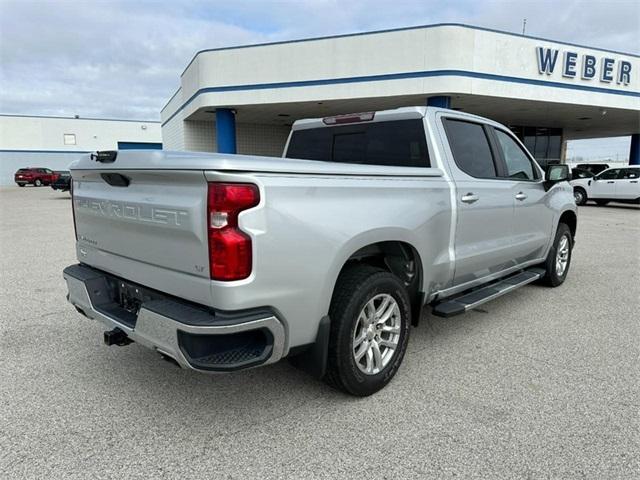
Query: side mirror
555	174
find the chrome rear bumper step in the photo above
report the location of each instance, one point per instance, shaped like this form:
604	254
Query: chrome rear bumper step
467	301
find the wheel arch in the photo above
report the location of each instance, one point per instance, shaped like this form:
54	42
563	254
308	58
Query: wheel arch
570	219
398	256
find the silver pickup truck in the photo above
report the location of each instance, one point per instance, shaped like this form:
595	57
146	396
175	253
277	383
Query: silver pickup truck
327	255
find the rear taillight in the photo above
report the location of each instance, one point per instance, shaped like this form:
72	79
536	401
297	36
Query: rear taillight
73	209
229	247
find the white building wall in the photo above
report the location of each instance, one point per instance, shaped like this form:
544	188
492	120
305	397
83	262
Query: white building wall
199	136
47	133
257	139
173	134
251	138
30	141
458	53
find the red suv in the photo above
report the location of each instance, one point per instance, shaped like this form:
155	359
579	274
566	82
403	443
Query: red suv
36	176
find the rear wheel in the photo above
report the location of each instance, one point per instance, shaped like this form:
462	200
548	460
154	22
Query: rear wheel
38	182
580	196
370	320
21	184
602	203
559	257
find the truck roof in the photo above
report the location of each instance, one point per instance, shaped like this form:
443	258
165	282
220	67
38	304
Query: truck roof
401	113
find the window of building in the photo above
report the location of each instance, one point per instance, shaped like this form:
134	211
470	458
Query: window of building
543	143
470	148
518	164
398	143
69	138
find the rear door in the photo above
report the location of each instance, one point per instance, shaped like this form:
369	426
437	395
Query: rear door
483	238
627	186
604	185
532	218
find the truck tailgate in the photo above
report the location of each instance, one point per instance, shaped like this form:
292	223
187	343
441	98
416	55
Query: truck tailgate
158	218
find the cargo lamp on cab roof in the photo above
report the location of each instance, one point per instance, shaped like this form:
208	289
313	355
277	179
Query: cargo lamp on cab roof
350	118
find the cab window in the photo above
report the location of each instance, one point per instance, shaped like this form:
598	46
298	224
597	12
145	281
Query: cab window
609	174
470	148
400	143
519	165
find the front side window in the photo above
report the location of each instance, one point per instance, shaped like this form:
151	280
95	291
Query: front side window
610	174
519	166
399	143
470	148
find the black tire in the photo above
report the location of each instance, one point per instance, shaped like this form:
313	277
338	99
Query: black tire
354	289
37	182
21	184
552	278
580	196
602	203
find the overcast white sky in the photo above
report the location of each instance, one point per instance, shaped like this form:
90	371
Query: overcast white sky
122	59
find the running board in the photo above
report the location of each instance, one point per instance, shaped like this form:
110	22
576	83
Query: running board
468	301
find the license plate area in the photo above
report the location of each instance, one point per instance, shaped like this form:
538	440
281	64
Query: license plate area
119	299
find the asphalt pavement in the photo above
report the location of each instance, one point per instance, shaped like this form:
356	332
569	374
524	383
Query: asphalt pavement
541	383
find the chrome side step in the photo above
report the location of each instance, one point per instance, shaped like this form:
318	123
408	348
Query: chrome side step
468	301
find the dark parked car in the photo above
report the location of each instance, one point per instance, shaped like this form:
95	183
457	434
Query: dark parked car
594	168
62	181
580	173
34	176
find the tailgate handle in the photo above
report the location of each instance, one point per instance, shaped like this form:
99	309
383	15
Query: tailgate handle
106	156
116	179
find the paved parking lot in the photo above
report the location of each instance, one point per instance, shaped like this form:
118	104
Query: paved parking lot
539	384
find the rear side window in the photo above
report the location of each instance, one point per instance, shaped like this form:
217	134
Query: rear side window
631	173
470	148
519	166
398	143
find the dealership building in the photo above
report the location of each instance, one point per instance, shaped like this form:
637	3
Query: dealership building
244	99
55	142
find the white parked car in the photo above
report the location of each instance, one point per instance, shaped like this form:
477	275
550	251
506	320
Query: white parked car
611	185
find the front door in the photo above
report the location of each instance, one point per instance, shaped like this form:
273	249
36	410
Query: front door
532	218
483	243
604	185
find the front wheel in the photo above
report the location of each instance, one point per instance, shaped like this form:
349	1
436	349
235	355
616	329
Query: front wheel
370	320
559	257
580	196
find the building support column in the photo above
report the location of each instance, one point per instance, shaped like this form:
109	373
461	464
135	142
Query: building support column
226	130
563	150
634	151
442	101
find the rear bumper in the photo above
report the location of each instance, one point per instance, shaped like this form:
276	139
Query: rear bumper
194	336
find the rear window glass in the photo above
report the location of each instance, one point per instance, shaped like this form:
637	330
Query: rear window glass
398	143
24	170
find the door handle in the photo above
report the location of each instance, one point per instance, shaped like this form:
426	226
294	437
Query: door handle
611	181
521	196
633	181
470	198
